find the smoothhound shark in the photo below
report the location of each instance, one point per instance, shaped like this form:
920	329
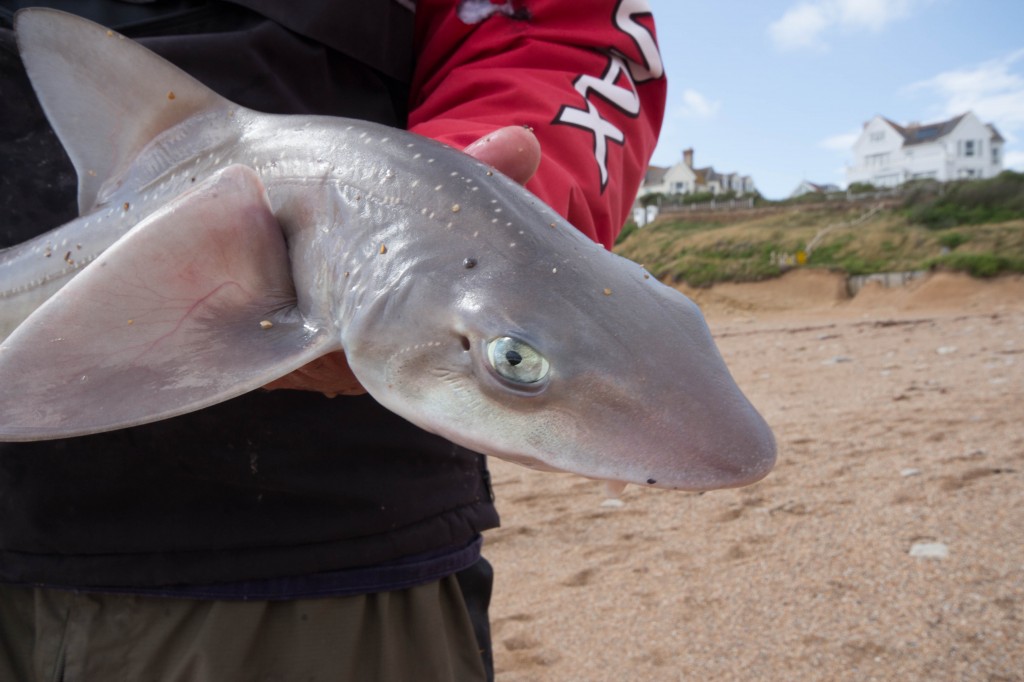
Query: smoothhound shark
219	249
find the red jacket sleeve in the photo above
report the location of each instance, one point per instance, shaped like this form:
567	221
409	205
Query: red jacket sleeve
587	77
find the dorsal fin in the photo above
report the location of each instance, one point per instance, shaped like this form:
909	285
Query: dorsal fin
105	95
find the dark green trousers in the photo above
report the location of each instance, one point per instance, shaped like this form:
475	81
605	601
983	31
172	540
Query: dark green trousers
419	634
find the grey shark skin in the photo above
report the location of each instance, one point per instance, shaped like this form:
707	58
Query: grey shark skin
226	248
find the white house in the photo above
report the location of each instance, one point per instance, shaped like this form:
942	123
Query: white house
808	187
887	154
683	178
677	179
734	182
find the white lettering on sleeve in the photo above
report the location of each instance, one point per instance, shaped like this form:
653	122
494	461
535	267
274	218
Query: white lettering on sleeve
625	20
624	99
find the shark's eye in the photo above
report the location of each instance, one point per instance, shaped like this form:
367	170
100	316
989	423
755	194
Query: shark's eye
516	361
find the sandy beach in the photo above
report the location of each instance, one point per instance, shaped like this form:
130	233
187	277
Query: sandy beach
888	544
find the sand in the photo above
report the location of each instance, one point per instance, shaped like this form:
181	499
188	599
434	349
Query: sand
888	544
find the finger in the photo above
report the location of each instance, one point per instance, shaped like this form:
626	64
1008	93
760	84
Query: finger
513	150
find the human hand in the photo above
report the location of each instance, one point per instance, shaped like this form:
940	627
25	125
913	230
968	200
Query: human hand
514	151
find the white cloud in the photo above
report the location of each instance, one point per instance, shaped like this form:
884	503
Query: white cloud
994	90
873	15
803	25
800	27
696	105
843	142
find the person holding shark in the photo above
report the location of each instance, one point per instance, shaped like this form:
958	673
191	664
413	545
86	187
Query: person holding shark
283	534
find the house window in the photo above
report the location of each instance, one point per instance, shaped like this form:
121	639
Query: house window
877	136
968	147
876	159
995	155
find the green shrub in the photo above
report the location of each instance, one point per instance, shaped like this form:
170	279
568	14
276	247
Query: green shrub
627	229
831	253
652	198
968	202
951	240
978	264
858	265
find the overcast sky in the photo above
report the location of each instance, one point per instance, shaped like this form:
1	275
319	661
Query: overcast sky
779	89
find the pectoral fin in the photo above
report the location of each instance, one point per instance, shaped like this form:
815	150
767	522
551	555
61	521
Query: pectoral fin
193	306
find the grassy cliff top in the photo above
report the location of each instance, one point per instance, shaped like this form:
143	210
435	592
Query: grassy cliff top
976	227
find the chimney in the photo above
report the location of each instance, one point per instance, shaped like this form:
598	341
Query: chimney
688	157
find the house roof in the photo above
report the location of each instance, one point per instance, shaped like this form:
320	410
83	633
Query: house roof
707	174
920	134
808	187
654	175
916	133
813	186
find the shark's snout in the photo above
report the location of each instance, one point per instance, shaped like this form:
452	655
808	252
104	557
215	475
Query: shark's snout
729	460
738	447
745	463
701	431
